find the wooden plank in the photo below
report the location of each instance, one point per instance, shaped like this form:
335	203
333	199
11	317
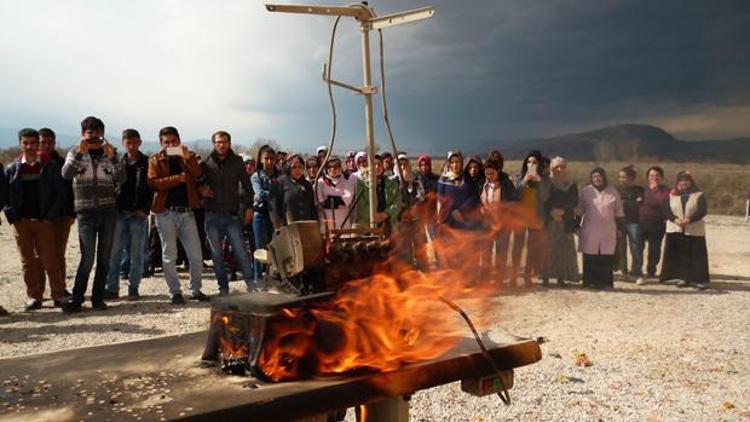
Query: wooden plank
163	378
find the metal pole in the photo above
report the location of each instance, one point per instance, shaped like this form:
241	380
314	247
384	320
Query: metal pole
369	122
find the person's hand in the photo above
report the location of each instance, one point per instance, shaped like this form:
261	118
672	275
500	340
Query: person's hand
185	153
206	192
83	146
109	150
685	221
380	217
183	177
456	214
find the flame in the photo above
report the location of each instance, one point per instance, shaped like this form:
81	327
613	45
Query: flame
393	318
231	349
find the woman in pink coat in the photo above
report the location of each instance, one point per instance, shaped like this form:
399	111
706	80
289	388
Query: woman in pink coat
601	210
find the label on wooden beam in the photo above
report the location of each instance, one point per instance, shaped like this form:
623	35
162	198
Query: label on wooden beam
489	384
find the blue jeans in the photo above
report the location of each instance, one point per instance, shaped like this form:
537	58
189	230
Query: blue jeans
218	226
95	232
129	237
635	244
262	231
180	225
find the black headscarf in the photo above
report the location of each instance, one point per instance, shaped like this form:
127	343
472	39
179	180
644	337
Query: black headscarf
604	178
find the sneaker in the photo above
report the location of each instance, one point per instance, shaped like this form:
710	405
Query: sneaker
178	299
109	295
640	281
71	307
58	302
701	286
133	296
200	296
681	283
99	305
32	305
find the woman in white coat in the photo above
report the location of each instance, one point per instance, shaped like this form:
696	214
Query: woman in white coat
600	208
335	194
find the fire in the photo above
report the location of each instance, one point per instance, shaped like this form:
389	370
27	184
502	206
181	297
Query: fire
231	349
393	318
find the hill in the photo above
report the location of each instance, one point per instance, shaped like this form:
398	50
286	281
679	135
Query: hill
631	142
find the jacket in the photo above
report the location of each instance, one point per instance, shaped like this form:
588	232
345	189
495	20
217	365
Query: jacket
161	181
50	188
392	205
95	180
136	181
292	200
690	205
225	177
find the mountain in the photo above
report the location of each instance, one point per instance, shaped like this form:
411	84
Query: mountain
631	142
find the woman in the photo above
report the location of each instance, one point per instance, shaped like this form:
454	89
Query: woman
335	193
495	196
653	221
474	171
292	198
560	224
312	166
426	176
632	199
601	209
457	196
388	196
685	252
533	188
262	182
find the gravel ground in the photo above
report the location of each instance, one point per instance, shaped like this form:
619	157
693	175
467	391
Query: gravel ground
657	352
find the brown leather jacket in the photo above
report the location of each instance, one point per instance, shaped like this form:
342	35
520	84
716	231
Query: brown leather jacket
161	181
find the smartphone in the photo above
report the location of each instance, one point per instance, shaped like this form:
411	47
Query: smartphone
174	151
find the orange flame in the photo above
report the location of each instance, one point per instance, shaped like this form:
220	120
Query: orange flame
392	318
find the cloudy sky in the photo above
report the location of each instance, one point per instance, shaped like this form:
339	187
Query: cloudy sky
477	71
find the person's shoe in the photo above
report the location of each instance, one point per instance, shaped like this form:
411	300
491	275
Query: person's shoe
71	307
108	295
3	312
561	283
545	282
32	305
133	296
67	293
58	302
178	299
681	283
200	296
640	281
99	305
223	292
701	286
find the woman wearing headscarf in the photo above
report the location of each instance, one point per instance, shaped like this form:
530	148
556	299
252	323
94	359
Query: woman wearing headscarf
458	197
560	224
335	193
428	178
312	166
411	236
685	252
474	170
602	223
292	197
389	202
533	188
496	196
265	177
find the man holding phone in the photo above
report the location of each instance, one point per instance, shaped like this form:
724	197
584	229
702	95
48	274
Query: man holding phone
93	167
174	174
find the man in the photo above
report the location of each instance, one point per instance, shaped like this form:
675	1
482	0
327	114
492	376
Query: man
133	205
93	167
174	174
61	225
33	204
223	174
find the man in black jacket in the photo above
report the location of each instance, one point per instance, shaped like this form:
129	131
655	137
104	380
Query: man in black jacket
223	174
33	183
133	205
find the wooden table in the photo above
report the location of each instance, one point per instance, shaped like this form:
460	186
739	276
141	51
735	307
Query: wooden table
163	379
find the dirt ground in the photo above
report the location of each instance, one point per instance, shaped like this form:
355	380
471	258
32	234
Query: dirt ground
657	352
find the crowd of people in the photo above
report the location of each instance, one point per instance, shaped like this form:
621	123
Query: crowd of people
137	213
